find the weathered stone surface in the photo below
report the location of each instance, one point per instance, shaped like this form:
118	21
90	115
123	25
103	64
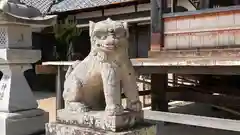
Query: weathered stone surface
105	68
23	123
76	107
22	56
62	129
15	12
15	93
99	119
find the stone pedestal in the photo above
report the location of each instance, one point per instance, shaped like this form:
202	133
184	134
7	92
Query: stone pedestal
23	122
63	129
98	119
97	123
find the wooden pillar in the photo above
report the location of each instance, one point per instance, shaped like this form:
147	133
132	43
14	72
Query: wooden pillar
159	83
175	80
157	24
204	4
133	50
236	2
173	5
136	39
59	88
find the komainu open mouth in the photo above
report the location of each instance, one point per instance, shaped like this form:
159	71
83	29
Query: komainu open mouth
109	47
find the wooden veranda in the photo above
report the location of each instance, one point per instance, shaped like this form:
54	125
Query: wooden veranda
196	46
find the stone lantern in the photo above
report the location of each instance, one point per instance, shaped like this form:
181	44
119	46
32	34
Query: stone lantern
19	113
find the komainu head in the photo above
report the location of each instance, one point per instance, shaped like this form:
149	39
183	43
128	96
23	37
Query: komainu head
108	35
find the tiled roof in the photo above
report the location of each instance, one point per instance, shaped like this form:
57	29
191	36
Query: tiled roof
67	5
42	5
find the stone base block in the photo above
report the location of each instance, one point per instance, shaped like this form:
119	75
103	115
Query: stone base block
23	123
19	56
63	129
99	120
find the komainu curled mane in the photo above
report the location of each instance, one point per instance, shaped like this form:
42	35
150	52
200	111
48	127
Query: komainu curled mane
105	68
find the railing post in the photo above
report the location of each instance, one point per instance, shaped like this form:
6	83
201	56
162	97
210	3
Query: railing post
59	88
159	84
158	81
157	25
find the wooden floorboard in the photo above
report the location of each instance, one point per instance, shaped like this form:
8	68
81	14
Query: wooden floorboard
201	121
221	100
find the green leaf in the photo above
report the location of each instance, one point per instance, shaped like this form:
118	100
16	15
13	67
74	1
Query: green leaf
64	34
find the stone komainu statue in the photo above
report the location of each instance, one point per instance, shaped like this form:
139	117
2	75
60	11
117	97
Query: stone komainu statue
105	68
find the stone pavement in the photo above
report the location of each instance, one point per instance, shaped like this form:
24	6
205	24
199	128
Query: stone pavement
47	102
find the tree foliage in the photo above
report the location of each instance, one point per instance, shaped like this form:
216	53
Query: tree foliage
64	34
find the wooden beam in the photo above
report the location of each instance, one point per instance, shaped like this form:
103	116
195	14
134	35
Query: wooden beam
141	93
144	16
219	100
119	10
181	89
41	69
193	4
125	16
213	70
201	121
227	90
158	92
236	2
197	53
230	110
207	89
154	67
207	70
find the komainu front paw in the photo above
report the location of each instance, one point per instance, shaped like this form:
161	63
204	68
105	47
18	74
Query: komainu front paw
134	106
76	107
114	110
